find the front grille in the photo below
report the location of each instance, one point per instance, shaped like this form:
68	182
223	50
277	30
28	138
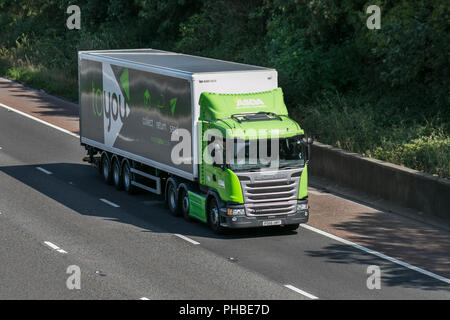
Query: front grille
270	197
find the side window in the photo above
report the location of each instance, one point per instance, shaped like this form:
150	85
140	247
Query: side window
211	140
216	145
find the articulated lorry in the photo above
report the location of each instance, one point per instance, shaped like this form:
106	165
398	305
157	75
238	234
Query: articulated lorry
212	137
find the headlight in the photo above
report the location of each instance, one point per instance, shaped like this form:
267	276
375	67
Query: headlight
302	206
236	212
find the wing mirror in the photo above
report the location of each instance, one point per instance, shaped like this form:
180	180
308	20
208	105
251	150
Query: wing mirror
220	150
310	142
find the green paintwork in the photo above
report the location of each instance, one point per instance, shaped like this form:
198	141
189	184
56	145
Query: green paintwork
173	104
159	141
303	187
147	99
216	111
197	206
226	183
160	105
233	189
259	129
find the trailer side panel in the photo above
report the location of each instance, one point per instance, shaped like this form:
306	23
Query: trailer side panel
133	112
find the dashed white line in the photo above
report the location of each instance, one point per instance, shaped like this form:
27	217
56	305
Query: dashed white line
43	170
186	238
54	247
112	204
378	254
39	120
306	294
144	298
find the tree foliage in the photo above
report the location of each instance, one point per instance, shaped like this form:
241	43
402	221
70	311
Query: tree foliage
395	78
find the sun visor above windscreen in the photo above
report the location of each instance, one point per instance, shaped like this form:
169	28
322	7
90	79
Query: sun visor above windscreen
215	106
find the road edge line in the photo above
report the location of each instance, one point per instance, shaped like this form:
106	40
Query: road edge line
186	239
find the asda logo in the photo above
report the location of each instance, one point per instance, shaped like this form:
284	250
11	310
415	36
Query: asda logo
112	102
249	103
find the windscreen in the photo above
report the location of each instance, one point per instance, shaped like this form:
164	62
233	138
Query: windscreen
280	153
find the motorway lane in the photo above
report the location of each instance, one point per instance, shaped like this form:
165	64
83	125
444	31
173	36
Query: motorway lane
135	247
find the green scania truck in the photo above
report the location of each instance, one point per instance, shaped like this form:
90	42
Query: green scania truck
212	137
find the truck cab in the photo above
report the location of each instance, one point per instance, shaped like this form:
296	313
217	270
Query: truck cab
254	165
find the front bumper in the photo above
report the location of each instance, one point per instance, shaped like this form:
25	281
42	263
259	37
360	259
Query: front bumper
255	221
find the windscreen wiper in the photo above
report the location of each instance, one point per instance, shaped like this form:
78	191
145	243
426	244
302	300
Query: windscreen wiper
257	116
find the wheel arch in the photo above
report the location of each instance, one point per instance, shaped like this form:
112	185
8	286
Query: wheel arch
212	194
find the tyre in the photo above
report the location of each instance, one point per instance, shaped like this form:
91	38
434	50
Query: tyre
214	217
172	199
106	169
183	202
291	227
116	174
127	178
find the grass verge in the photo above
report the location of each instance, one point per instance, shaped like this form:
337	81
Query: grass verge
53	81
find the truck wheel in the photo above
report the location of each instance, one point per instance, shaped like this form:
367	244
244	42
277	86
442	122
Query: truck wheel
116	174
127	178
172	201
214	217
184	204
291	227
106	169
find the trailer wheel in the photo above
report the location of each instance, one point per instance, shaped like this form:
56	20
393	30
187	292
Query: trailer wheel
214	217
117	174
184	204
172	199
106	169
127	178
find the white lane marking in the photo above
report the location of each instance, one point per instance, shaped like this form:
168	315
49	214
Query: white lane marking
54	247
144	298
39	120
1	148
378	254
112	204
43	170
186	238
306	294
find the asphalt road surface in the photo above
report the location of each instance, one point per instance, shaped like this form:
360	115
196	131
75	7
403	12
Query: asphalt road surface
56	212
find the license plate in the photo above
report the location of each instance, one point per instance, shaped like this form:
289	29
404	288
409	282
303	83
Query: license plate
272	223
